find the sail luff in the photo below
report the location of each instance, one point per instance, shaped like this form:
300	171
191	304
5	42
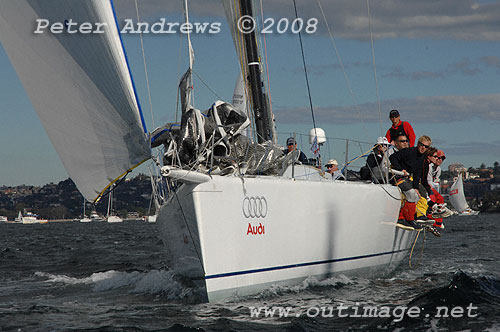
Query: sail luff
136	99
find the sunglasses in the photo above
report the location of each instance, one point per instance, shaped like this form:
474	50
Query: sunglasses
422	144
442	158
403	141
329	166
434	156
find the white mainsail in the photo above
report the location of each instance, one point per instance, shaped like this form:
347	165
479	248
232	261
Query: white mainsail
457	196
80	86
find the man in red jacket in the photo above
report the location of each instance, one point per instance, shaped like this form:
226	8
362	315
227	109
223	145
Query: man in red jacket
399	127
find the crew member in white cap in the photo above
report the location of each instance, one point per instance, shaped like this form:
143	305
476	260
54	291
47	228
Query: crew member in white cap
332	167
377	162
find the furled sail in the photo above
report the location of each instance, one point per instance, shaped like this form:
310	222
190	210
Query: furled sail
80	86
247	50
457	196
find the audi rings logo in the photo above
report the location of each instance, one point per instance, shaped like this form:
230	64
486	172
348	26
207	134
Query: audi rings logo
255	207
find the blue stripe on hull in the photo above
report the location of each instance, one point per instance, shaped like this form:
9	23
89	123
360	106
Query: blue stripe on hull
283	267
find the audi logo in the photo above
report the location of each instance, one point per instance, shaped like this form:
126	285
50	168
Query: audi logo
255	207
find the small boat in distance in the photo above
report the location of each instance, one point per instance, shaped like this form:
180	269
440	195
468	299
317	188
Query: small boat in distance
30	218
85	218
3	219
95	217
112	216
457	198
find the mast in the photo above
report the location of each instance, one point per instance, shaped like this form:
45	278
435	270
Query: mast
109	202
259	100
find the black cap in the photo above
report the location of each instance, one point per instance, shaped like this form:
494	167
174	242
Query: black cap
393	114
290	141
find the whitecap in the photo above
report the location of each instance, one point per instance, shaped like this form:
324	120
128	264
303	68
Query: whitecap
161	282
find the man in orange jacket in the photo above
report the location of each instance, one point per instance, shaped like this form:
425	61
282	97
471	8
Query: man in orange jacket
399	128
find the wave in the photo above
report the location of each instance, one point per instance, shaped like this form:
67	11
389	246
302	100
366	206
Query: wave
310	283
155	282
462	290
478	299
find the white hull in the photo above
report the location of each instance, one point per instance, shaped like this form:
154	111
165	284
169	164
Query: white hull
310	228
113	219
85	220
467	213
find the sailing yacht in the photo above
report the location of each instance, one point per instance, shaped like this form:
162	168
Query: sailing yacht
457	198
84	217
239	215
111	216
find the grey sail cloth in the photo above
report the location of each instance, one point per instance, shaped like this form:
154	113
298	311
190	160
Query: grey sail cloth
80	87
222	146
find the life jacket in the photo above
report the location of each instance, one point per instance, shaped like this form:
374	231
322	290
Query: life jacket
398	131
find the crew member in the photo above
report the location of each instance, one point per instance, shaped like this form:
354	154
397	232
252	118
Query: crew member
291	146
399	128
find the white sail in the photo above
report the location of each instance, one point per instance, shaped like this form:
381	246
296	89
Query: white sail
80	86
457	196
240	102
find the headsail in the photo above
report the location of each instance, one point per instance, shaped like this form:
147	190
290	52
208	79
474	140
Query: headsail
80	86
457	196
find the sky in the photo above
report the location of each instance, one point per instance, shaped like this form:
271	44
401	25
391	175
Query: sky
437	62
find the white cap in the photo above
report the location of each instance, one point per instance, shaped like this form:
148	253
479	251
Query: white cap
382	140
332	162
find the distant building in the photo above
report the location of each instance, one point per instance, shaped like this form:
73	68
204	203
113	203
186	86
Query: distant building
457	168
133	215
486	173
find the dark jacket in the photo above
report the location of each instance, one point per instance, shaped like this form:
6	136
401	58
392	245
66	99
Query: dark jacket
375	163
302	156
375	158
410	160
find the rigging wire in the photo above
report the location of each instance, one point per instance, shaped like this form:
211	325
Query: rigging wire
177	105
145	67
374	67
206	85
305	69
339	59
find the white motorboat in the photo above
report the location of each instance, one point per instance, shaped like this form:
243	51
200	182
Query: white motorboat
95	217
30	218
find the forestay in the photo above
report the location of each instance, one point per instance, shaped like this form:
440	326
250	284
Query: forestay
80	86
